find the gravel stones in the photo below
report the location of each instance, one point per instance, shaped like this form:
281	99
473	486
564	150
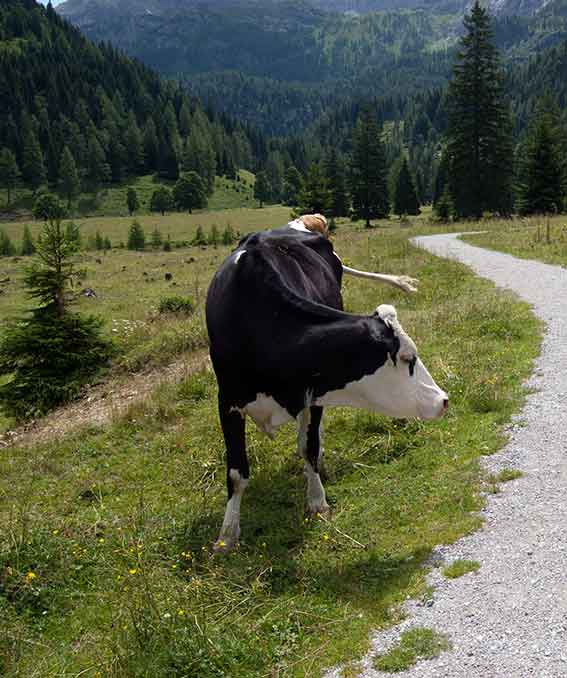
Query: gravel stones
509	619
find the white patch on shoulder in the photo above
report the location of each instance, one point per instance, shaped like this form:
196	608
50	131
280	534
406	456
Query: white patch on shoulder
266	413
298	225
238	255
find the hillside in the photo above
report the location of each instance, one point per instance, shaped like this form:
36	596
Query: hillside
116	116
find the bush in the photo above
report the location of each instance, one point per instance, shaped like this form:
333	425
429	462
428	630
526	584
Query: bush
51	357
178	305
136	237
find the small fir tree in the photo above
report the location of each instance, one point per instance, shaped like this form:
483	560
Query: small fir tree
107	244
28	246
335	174
228	236
444	209
33	166
9	172
132	201
99	241
157	239
214	236
7	248
53	353
136	237
73	233
200	237
167	244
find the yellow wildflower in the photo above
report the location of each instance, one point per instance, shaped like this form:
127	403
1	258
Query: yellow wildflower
132	570
30	576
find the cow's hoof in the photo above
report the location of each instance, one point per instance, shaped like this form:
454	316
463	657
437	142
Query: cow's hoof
320	510
224	545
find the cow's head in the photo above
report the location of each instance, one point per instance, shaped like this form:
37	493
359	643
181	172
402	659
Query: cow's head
401	386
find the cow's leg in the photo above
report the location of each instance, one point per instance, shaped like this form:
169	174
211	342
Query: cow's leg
309	447
238	473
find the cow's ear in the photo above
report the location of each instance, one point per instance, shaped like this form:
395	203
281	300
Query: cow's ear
388	315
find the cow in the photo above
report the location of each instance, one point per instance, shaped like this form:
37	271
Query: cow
283	349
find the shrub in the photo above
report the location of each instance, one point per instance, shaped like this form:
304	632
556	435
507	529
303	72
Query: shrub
136	237
7	249
178	305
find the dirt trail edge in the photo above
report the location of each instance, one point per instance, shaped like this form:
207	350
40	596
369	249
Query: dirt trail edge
510	618
104	401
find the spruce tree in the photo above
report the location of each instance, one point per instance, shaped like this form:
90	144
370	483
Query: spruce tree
157	239
132	201
136	237
98	170
214	236
9	172
368	177
479	142
53	353
69	183
73	234
334	171
315	196
28	246
262	188
99	241
540	186
292	185
405	196
33	167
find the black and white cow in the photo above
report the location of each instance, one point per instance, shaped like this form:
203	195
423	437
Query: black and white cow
282	348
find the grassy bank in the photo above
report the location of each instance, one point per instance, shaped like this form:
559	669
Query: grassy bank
529	238
105	564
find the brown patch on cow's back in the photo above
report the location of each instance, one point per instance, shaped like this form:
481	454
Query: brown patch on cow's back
315	222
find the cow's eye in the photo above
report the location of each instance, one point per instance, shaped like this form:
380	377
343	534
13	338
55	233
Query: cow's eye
410	362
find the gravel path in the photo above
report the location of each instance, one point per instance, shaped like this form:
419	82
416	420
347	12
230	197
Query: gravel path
509	619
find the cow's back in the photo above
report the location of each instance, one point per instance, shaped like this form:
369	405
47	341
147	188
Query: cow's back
257	297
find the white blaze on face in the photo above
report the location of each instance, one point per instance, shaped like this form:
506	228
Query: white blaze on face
393	390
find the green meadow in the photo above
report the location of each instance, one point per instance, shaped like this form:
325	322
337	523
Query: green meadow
106	568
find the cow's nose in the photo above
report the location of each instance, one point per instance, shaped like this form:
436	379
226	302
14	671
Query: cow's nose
446	404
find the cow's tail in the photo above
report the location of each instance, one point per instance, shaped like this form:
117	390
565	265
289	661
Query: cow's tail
402	282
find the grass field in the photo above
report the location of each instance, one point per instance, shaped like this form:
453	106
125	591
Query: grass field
528	238
111	200
105	562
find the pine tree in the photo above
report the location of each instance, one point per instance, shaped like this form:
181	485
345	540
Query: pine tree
405	196
315	196
73	234
200	237
132	201
7	249
9	172
228	236
335	174
161	200
444	209
98	170
214	236
292	185
157	239
33	167
479	142
540	186
69	182
262	188
189	192
53	353
136	237
107	244
28	246
99	241
368	182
